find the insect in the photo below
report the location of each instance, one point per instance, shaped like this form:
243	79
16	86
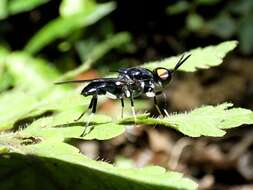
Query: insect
130	83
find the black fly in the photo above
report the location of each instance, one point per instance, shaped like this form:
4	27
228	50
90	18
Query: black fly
130	83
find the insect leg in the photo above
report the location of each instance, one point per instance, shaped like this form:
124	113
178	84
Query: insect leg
156	106
122	107
132	105
95	100
165	111
90	106
91	103
93	106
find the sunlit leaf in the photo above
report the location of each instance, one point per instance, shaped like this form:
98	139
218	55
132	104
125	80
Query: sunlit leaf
62	126
29	72
67	166
16	104
201	58
72	7
3	53
206	120
3	9
5	77
17	6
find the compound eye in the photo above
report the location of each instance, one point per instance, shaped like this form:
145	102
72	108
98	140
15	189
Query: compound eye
163	73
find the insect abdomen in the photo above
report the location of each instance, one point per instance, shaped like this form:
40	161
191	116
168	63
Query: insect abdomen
101	88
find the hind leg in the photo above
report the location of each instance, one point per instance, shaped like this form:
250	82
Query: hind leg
93	106
90	106
132	106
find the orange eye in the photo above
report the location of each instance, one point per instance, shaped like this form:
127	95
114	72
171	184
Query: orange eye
162	73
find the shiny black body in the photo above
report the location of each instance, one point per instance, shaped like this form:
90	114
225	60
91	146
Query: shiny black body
136	73
103	87
130	83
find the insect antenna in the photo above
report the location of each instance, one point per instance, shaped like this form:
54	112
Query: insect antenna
180	62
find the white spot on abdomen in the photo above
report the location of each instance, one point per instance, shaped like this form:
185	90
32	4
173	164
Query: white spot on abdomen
110	95
150	94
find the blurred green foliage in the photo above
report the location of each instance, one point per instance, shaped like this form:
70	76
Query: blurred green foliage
228	19
12	7
64	28
68	23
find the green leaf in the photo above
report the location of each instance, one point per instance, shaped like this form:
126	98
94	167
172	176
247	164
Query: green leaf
3	9
245	34
206	120
17	104
194	22
6	80
3	149
44	161
12	7
62	126
3	53
201	58
34	92
111	42
207	2
223	26
5	77
62	27
18	6
242	7
70	7
14	105
178	7
29	72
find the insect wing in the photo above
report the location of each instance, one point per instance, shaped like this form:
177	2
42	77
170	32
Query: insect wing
86	81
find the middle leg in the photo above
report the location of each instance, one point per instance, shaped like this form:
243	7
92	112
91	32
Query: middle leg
90	106
122	107
132	105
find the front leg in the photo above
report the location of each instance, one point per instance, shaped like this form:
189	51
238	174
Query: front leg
156	106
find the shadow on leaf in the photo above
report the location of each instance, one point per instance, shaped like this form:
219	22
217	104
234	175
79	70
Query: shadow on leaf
34	172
